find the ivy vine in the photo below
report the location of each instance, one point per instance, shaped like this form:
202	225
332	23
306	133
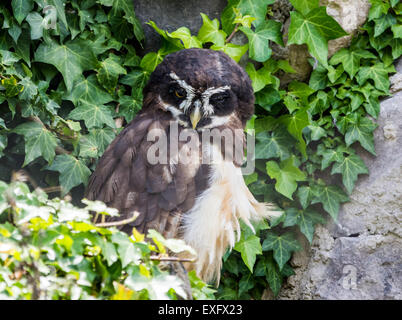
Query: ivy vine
67	89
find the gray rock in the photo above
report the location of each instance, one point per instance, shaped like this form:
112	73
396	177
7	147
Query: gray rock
360	255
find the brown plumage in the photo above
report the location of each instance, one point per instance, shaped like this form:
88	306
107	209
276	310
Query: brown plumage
201	203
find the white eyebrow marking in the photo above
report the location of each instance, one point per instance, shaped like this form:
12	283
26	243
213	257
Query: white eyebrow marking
189	90
207	108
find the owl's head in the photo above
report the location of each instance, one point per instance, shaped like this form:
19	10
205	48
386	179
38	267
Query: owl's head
202	89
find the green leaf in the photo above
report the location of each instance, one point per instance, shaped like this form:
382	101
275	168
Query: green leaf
185	36
255	8
378	73
267	97
249	248
210	32
103	137
305	219
88	146
38	141
36	23
283	245
259	49
73	172
350	167
305	195
88	90
128	253
151	60
129	106
71	58
383	23
259	78
273	275
314	29
330	197
21	8
295	124
273	144
246	283
305	6
94	115
361	130
330	155
108	73
286	175
234	51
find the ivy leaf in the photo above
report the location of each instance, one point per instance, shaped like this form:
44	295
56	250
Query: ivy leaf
249	248
286	175
305	6
273	144
185	36
103	137
88	147
210	32
361	130
283	245
128	253
151	60
305	219
330	197
314	29
246	283
129	106
383	23
350	167
38	141
305	195
259	49
273	275
35	21
295	124
94	115
21	8
255	8
108	73
267	97
71	58
234	51
378	73
72	171
259	78
330	155
88	90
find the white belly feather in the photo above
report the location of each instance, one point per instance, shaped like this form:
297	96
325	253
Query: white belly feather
212	225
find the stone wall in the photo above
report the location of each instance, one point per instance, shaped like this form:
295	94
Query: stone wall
360	256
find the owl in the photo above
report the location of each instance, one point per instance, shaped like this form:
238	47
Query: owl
163	169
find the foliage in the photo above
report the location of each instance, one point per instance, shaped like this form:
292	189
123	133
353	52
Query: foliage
51	250
65	91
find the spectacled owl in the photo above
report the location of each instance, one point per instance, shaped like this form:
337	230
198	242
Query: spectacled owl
192	92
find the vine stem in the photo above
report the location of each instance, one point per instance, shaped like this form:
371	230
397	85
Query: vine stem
117	223
233	33
176	259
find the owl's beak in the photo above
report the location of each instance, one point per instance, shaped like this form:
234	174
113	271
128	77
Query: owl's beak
195	117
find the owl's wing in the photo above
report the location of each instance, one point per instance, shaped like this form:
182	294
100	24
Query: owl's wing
125	180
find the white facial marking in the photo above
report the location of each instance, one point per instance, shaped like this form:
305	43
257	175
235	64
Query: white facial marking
189	90
207	108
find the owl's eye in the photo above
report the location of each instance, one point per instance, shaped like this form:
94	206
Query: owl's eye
178	92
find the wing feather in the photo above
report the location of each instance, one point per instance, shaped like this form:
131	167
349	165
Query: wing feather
125	180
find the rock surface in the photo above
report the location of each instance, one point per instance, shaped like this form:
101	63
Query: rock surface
360	256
